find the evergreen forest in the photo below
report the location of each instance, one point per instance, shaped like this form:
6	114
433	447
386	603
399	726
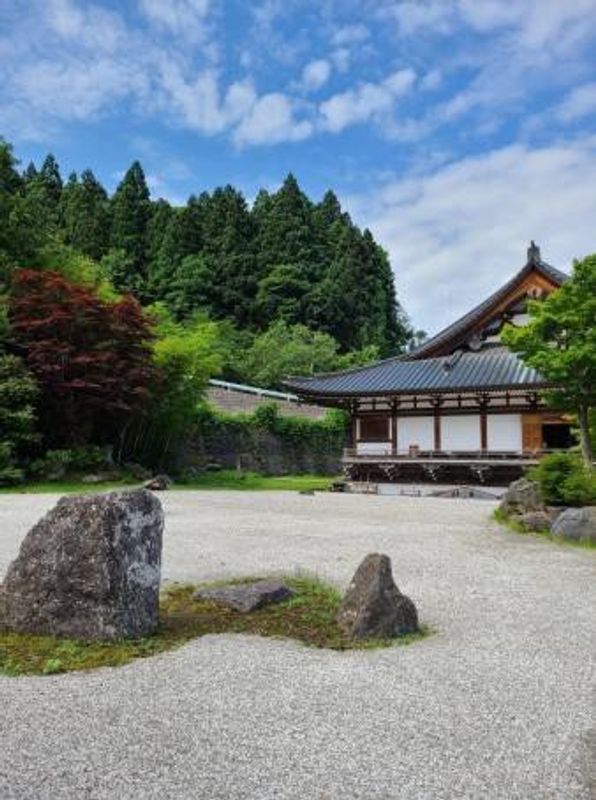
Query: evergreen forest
116	309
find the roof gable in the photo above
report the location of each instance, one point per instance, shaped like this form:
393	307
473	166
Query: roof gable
535	277
432	368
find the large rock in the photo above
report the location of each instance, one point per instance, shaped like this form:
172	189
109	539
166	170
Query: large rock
90	569
576	523
521	497
246	597
373	607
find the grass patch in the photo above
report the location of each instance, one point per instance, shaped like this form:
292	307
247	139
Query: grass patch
308	616
253	481
516	526
69	487
225	479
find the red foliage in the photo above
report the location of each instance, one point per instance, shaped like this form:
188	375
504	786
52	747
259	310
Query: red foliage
92	358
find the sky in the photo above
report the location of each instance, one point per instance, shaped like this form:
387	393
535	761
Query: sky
457	130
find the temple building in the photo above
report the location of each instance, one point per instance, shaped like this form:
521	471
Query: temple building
459	408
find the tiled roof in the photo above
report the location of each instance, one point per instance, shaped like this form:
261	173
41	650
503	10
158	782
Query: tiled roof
494	369
461	325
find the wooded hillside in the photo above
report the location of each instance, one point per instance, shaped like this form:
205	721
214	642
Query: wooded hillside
285	259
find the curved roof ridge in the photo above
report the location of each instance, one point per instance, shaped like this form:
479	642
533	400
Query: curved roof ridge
458	325
348	371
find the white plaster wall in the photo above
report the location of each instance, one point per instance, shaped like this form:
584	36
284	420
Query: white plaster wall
415	431
504	432
460	432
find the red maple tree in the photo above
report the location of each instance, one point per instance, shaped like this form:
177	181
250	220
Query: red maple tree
92	358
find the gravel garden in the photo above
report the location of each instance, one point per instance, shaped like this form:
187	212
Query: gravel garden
497	702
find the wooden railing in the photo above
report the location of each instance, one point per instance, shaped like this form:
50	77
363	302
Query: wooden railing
351	454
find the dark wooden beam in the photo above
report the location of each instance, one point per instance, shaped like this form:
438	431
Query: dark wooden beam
483	428
437	403
394	407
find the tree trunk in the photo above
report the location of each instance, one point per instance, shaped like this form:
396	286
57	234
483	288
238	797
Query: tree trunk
583	418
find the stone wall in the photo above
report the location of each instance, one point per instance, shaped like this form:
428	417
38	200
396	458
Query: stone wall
234	401
287	446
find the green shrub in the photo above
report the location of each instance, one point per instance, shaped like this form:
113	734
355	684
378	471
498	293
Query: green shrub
55	464
564	480
9	473
18	396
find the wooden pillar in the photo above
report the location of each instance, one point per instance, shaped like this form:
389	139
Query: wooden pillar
483	424
354	435
437	423
483	430
394	406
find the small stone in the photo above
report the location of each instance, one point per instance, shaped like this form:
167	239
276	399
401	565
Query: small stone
307	492
246	597
536	521
521	497
373	607
578	524
339	486
92	479
159	483
89	569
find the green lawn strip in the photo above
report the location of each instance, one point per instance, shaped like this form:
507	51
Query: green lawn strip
252	481
68	487
225	479
517	527
308	616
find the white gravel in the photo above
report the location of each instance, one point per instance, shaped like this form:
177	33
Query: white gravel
498	704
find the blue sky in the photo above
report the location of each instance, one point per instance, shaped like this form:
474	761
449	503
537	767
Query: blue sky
456	130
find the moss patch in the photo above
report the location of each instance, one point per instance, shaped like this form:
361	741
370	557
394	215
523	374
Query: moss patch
309	617
517	526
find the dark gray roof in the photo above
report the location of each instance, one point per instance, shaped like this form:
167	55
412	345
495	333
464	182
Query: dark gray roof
461	325
494	369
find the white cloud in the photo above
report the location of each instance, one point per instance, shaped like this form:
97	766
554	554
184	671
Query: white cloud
76	91
366	101
412	16
457	233
432	80
350	34
271	120
341	59
184	18
537	23
199	104
580	102
315	74
91	27
65	60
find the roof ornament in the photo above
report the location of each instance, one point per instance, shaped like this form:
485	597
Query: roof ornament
533	253
450	361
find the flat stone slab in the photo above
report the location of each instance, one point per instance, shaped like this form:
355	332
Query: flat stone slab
246	597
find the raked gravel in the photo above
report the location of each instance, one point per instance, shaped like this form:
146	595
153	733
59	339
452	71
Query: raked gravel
499	704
